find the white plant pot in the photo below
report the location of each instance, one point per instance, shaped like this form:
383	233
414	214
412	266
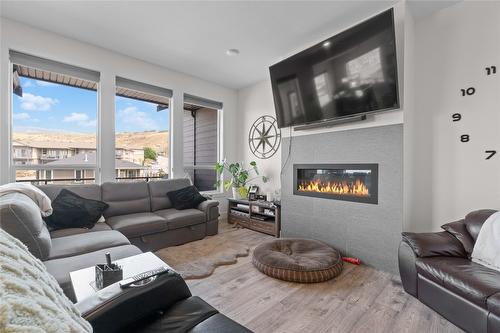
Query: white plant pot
236	193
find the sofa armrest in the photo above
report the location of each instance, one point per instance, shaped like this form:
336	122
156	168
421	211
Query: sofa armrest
210	208
407	268
113	308
434	244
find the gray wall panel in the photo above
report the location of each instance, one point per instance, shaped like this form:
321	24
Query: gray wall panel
370	232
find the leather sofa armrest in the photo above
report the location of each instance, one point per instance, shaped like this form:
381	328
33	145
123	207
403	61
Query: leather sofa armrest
407	268
434	244
210	208
113	308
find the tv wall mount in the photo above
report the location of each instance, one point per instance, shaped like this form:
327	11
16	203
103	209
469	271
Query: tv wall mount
330	123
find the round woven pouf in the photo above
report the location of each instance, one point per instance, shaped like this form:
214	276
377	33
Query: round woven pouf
298	260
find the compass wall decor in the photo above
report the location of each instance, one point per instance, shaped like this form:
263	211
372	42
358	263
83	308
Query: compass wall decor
264	137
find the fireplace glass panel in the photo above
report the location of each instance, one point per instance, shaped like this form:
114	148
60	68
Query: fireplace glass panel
352	182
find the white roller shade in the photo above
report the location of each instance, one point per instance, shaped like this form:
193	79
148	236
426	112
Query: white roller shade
143	87
200	101
53	66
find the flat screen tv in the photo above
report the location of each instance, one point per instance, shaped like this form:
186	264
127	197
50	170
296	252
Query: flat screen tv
351	73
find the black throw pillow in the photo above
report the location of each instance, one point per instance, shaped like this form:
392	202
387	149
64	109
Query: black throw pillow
72	211
187	197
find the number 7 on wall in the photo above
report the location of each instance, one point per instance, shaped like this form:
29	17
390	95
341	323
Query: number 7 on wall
490	153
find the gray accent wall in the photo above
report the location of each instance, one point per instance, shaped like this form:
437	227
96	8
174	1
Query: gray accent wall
369	232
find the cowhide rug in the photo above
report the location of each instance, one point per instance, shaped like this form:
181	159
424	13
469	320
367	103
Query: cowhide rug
200	258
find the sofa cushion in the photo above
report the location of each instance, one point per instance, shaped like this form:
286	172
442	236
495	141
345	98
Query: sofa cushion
182	218
139	224
74	211
60	268
76	231
459	230
84	243
125	198
88	191
468	279
158	190
180	317
474	221
20	217
186	197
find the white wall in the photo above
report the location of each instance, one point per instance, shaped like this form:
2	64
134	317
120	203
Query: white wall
253	102
438	55
257	100
445	179
25	39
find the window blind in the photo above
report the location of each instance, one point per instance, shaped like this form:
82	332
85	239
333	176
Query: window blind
200	101
143	87
53	66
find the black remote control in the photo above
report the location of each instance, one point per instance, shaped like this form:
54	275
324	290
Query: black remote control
143	276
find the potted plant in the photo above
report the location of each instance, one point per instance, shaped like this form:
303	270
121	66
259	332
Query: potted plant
240	177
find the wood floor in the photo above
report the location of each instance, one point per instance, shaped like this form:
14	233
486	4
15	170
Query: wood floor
361	299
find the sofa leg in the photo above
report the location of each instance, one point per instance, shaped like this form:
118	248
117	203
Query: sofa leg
213	227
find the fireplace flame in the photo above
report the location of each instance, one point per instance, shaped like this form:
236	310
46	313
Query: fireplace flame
356	188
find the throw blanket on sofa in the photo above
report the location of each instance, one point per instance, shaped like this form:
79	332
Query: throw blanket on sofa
33	192
30	298
487	248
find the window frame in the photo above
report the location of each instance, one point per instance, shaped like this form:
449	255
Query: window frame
220	156
13	168
150	89
79	180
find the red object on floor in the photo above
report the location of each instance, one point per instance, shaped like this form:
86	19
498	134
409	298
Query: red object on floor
354	261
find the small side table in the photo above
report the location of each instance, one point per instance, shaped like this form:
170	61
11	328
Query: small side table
83	280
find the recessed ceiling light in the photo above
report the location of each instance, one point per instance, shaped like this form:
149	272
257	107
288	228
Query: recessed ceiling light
327	43
232	52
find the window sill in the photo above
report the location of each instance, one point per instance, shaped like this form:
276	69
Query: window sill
214	193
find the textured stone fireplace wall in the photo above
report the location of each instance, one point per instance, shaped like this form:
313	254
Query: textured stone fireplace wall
369	232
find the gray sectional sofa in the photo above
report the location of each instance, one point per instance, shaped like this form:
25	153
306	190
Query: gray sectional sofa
139	218
144	214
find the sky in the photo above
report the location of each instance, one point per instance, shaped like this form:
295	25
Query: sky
50	107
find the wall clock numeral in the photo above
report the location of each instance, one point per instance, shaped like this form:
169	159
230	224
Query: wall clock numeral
491	70
465	138
456	117
468	92
490	153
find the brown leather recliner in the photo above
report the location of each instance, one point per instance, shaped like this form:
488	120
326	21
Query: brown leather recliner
436	268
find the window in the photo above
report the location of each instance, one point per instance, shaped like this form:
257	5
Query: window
54	114
142	131
201	141
79	174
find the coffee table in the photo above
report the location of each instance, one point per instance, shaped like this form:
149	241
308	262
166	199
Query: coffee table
83	280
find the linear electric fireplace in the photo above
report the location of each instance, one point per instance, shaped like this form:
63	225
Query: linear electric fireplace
350	182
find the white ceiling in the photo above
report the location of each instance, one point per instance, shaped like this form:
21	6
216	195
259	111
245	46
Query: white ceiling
192	37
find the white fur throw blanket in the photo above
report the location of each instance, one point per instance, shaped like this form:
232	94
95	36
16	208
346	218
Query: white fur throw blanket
487	248
30	298
33	192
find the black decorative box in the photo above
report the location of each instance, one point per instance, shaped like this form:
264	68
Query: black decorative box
106	275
